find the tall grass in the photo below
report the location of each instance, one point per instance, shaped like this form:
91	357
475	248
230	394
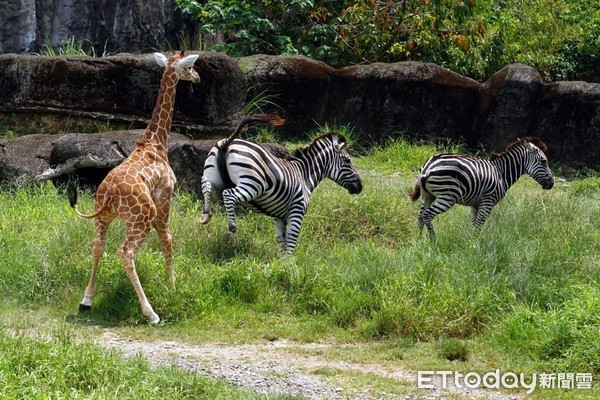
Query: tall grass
60	367
525	286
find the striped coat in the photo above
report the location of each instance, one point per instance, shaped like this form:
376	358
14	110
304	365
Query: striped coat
448	179
246	173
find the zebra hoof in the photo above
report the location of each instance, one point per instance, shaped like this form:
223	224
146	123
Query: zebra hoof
228	237
205	218
84	308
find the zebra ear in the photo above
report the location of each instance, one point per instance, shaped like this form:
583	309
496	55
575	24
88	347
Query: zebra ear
341	146
529	146
161	59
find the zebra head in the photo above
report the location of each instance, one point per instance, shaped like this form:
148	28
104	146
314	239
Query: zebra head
536	162
341	169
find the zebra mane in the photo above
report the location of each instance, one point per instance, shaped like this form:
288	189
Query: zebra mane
330	135
536	141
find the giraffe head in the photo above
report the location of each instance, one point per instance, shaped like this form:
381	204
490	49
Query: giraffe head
183	66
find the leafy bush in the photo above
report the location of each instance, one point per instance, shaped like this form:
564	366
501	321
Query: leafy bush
473	38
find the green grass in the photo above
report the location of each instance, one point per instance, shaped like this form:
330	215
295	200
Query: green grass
60	367
521	295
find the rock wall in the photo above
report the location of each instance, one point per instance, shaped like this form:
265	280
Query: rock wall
378	101
111	25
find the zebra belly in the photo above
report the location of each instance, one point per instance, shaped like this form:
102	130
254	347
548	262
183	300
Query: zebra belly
268	206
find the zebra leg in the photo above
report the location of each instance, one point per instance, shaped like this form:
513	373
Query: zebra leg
439	205
482	213
474	211
294	223
230	198
280	232
425	204
206	193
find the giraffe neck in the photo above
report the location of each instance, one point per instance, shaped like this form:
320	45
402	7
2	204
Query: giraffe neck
157	131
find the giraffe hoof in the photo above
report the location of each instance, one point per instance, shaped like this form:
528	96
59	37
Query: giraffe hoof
84	308
228	237
153	318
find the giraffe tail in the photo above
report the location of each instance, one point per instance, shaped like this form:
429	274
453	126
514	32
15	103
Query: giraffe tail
72	194
271	119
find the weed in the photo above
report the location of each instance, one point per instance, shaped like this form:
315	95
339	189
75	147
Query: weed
453	349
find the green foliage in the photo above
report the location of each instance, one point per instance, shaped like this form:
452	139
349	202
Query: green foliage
525	286
61	367
453	349
589	187
473	38
71	47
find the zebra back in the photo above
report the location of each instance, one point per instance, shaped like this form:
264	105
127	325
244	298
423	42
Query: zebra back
271	119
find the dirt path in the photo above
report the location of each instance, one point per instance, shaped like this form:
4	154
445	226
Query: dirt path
275	368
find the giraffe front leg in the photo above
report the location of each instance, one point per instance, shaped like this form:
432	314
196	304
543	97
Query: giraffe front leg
98	250
206	195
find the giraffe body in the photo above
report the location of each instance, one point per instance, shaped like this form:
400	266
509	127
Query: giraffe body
138	191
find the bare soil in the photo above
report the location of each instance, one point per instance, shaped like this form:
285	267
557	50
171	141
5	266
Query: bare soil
277	367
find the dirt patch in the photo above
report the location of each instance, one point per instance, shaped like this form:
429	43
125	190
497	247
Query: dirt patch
276	367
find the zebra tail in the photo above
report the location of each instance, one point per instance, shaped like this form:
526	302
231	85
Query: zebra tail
270	119
416	192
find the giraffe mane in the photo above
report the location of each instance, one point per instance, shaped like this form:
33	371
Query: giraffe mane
536	141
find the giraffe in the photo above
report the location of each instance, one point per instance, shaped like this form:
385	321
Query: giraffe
138	191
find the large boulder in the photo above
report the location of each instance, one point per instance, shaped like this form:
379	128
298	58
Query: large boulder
569	121
509	105
87	158
405	98
25	157
122	87
110	25
296	85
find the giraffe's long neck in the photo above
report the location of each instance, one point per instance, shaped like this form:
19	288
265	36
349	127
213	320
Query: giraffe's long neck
157	131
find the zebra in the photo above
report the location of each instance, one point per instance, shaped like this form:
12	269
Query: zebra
448	179
279	187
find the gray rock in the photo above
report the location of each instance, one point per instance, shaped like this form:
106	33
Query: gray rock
110	25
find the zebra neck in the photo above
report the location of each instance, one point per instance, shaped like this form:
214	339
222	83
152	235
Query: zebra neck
511	165
311	167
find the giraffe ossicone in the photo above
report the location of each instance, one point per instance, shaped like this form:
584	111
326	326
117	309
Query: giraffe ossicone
139	190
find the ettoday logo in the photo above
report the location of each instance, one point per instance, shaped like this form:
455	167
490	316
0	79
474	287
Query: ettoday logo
509	380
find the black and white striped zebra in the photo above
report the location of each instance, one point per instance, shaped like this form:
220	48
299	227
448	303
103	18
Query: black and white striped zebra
448	179
279	187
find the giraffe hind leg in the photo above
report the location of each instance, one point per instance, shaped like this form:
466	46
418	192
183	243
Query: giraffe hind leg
136	234
161	225
98	250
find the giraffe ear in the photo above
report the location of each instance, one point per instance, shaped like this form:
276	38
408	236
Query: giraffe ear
161	59
186	62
